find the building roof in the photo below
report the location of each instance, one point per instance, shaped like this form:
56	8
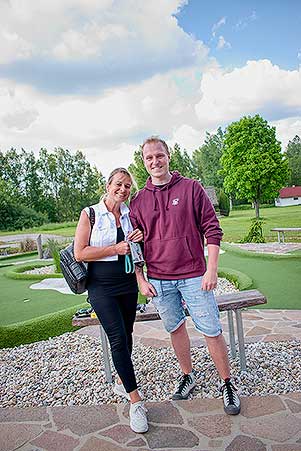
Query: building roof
291	191
211	193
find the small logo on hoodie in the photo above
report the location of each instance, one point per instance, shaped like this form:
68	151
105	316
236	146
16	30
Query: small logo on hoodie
175	201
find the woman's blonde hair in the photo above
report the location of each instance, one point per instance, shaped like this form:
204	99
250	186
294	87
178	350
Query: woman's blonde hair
119	171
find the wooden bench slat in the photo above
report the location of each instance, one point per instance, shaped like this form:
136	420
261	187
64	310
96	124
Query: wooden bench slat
229	301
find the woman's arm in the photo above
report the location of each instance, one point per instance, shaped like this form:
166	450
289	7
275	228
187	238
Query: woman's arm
84	252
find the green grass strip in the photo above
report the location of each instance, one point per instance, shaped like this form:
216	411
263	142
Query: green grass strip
238	278
37	329
17	273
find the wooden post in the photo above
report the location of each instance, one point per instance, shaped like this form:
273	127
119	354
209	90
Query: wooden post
39	246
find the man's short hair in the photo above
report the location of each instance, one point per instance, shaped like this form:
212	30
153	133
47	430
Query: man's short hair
155	139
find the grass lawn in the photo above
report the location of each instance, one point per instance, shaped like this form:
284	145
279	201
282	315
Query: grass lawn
236	225
278	279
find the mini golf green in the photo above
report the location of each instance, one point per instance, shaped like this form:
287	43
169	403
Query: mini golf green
279	279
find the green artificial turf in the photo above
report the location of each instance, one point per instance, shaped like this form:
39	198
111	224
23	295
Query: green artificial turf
236	226
279	279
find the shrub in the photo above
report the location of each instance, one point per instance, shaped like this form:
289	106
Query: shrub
28	245
17	217
54	247
255	233
223	203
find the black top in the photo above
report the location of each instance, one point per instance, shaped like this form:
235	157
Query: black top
110	276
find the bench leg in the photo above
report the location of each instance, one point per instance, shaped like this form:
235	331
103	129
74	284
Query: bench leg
106	359
241	341
231	333
282	237
279	237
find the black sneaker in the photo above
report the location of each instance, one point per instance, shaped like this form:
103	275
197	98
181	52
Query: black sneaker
230	398
185	387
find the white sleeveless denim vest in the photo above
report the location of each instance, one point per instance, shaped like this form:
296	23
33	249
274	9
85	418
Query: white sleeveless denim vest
104	232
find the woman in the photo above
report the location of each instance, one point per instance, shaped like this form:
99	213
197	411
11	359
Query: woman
112	292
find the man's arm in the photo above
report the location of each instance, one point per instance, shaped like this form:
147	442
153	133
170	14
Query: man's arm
209	280
145	288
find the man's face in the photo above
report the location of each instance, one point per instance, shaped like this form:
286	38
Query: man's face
156	159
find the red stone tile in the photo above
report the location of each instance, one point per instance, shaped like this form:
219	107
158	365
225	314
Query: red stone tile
54	441
280	428
278	337
212	426
98	444
244	443
16	414
256	406
14	435
121	433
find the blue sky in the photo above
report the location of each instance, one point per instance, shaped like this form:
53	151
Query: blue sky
254	29
102	75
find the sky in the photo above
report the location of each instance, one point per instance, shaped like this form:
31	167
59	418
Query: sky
103	75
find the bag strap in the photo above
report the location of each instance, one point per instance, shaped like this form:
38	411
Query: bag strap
92	220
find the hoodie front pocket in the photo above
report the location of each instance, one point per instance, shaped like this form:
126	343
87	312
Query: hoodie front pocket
168	255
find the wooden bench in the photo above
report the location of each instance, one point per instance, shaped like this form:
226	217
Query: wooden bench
231	302
281	231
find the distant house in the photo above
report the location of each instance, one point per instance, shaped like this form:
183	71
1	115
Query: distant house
211	193
289	196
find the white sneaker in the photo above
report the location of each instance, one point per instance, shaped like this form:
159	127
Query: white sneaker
138	419
119	390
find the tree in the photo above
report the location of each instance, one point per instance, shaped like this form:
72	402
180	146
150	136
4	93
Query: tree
293	154
138	170
207	159
252	162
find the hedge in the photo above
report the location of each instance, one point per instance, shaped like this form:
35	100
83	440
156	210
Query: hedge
17	272
238	278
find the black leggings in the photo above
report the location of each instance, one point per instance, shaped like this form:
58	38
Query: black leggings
117	315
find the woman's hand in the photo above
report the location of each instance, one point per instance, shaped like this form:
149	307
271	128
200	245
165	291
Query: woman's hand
122	248
135	236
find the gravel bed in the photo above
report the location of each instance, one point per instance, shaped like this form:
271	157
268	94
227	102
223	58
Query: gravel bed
67	370
43	270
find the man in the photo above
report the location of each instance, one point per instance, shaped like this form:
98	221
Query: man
175	215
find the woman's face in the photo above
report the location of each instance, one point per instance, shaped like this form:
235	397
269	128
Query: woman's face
119	188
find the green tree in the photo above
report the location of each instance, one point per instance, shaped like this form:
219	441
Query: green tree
138	170
293	154
253	165
207	159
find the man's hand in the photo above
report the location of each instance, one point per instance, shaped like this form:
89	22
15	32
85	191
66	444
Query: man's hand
147	289
209	280
135	236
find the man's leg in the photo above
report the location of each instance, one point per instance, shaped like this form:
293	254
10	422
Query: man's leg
181	344
218	350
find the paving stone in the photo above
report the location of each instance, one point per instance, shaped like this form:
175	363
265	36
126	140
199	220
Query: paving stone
121	433
137	442
198	405
54	441
154	342
278	337
212	426
15	414
97	444
258	331
277	428
291	447
293	406
256	406
244	443
295	396
15	435
83	420
163	412
159	437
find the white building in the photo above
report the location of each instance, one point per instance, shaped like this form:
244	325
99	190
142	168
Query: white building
289	196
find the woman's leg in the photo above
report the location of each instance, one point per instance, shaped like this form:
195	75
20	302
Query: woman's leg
128	308
109	314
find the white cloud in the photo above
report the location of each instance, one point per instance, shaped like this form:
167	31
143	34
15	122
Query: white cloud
259	86
217	25
222	43
287	129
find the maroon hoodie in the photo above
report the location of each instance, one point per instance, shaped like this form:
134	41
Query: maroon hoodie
175	219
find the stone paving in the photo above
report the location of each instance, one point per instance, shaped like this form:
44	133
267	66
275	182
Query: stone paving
270	423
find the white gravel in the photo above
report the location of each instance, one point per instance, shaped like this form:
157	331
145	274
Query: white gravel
68	370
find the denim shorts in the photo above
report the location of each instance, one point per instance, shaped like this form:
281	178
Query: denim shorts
201	305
